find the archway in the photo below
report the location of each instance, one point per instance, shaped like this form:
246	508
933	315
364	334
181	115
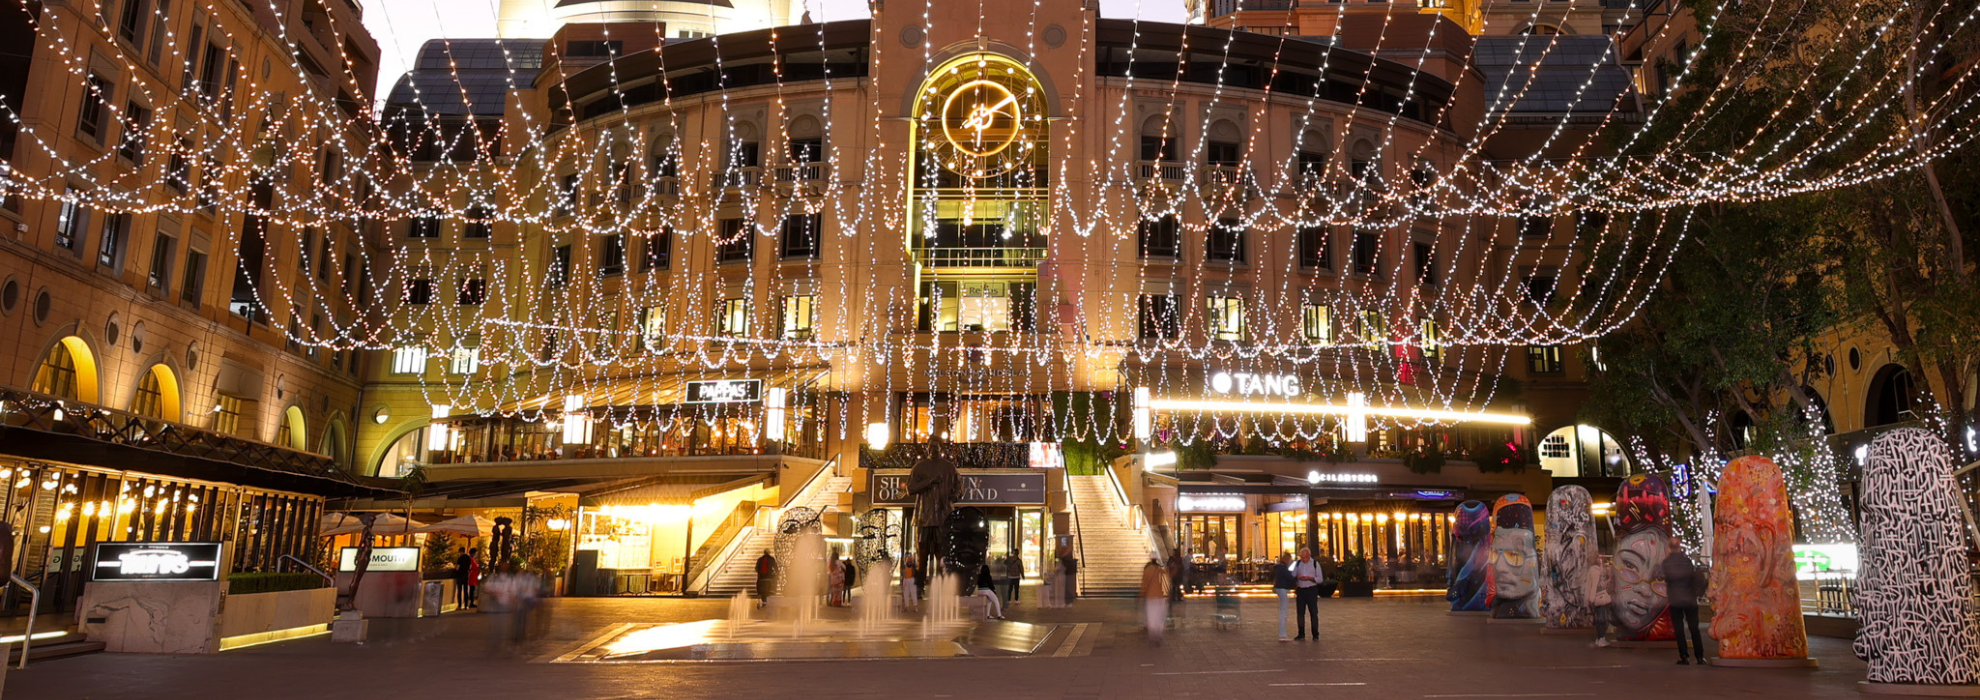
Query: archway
1891	397
292	433
1582	450
68	370
158	395
336	443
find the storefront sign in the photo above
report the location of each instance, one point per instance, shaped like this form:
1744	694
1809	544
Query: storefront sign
1248	384
1812	559
1295	502
157	561
382	559
725	391
1334	478
1429	494
1210	503
978	489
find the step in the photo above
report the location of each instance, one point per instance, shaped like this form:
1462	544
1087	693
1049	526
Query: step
67	645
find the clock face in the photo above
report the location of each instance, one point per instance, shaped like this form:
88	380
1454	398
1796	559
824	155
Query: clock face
982	119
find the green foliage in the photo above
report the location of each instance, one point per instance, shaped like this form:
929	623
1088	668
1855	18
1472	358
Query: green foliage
437	555
269	582
1195	455
1424	460
1089	457
1353	568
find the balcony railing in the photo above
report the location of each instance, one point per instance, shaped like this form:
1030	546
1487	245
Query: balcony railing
980	257
1163	170
803	172
480	440
968	455
48	414
741	177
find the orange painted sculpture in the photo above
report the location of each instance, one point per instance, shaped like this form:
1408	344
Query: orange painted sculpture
1756	607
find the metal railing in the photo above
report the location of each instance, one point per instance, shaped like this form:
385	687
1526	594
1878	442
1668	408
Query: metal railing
980	257
34	611
1164	170
720	561
55	415
739	519
803	172
306	567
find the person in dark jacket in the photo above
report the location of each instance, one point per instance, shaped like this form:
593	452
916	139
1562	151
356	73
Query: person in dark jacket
1682	585
461	565
766	578
1283	583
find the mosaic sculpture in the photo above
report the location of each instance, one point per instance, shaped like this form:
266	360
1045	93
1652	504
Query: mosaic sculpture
1471	534
1756	606
1515	575
1913	594
1642	611
1570	550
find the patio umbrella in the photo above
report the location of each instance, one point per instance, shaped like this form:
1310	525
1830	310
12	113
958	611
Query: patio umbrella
466	525
386	524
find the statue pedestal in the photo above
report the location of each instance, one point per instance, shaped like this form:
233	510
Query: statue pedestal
1764	663
1920	689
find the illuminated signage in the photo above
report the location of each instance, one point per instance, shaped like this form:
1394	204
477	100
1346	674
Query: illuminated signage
1248	384
978	489
382	559
1812	559
157	561
1210	503
981	118
1046	455
1334	478
725	391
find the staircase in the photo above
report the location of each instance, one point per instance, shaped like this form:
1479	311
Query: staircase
71	644
738	574
1111	553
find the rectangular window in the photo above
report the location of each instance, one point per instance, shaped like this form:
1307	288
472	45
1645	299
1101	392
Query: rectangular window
1535	226
70	223
350	272
303	259
423	227
805	151
653	327
612	255
593	48
1226	242
1161	238
568	191
744	155
1312	164
409	360
732	317
1316	248
1159	148
1374	330
658	251
160	274
1159	317
1589	222
189	82
736	242
559	273
1316	322
1539	287
419	291
130	26
325	255
1426	263
800	236
1221	154
178	166
137	119
467	358
478	224
1432	344
1367	254
209	72
473	291
800	316
110	250
1225	318
227	420
96	94
1543	359
194	279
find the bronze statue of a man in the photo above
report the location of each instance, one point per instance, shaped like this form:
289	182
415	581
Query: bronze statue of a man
936	485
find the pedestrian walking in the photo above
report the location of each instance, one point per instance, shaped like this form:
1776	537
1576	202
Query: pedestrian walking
848	581
1014	574
1155	588
1306	581
1176	575
473	579
1283	585
835	580
461	564
766	578
987	587
1683	584
1602	599
910	589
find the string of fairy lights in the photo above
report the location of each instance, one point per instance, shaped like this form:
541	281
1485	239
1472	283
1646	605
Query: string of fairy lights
1382	252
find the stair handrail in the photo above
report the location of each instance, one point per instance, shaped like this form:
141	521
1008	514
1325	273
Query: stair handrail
1136	518
721	560
306	567
1079	534
736	527
34	611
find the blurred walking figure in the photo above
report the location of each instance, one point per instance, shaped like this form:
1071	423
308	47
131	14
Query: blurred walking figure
1013	577
1602	599
1683	584
766	578
473	578
1155	599
1283	584
511	599
987	587
835	581
910	590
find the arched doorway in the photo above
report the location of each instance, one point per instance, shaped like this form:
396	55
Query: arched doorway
157	394
336	443
1582	450
67	370
1891	397
292	433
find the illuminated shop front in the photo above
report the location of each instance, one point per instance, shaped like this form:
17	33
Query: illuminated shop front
1013	503
634	538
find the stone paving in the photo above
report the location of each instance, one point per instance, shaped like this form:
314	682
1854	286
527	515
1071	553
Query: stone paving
1404	647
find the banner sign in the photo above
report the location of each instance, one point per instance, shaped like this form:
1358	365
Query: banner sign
725	391
157	561
890	489
382	559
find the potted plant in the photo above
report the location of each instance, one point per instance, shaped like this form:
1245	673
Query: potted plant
1354	577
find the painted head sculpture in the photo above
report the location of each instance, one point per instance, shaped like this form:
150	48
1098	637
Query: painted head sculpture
1569	552
1756	605
1913	590
1515	566
1471	532
1642	608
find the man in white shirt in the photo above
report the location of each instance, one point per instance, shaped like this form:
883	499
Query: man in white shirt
1306	592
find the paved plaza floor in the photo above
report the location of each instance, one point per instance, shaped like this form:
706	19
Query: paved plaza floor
1401	647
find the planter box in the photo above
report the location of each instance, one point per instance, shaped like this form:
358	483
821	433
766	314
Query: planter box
1357	589
255	618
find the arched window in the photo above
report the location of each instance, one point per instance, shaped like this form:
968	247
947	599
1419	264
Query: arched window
157	394
292	433
1314	152
1892	394
68	370
1225	147
405	453
1158	140
664	158
807	141
1362	161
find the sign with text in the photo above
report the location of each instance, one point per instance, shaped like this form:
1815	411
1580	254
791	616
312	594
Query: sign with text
157	561
382	559
725	391
891	489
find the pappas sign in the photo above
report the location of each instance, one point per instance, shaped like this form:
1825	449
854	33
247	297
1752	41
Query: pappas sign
157	561
978	489
725	391
382	559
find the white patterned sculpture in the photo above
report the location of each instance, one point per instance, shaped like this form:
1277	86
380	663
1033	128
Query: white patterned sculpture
1569	551
1913	595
